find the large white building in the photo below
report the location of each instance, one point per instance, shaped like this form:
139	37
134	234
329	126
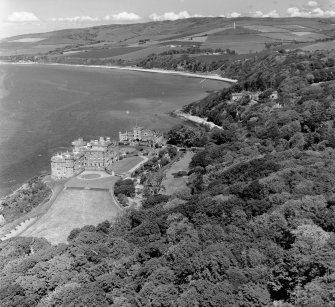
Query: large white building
140	134
94	155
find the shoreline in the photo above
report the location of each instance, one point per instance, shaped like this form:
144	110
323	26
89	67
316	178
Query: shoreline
214	77
195	119
18	184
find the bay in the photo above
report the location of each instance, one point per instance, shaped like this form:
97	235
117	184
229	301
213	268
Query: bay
44	107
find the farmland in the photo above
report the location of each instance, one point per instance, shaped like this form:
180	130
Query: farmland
105	53
131	42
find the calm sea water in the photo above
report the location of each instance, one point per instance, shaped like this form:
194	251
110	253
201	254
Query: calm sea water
43	108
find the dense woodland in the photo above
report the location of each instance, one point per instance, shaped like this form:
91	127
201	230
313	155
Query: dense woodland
25	199
255	225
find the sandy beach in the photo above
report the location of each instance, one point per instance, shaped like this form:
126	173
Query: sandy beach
215	77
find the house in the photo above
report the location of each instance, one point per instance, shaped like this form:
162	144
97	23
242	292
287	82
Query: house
93	155
255	95
274	95
236	97
140	135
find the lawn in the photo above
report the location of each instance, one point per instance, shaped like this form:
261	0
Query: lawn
102	183
172	184
126	164
72	209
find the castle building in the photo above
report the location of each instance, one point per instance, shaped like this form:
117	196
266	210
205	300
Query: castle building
94	155
140	135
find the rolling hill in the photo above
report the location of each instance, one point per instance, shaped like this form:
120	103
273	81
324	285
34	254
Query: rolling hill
134	41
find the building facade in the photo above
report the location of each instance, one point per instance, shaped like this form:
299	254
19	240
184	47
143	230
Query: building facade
94	155
140	135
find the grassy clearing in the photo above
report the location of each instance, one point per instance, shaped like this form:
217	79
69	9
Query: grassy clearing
72	209
172	184
125	164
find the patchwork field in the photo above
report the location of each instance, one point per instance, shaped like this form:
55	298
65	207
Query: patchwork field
202	31
72	209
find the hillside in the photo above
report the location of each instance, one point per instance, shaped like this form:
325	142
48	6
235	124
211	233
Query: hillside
132	42
253	227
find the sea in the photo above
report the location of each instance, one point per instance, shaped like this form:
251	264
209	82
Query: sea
43	108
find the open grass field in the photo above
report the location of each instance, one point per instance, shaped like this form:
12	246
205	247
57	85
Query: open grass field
72	209
166	32
265	28
85	200
172	184
101	183
28	49
125	164
295	27
246	38
182	43
105	53
295	36
239	47
144	52
241	43
320	46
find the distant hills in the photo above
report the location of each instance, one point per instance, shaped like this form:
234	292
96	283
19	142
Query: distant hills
134	41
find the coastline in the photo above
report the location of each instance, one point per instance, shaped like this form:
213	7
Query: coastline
18	185
132	68
195	119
